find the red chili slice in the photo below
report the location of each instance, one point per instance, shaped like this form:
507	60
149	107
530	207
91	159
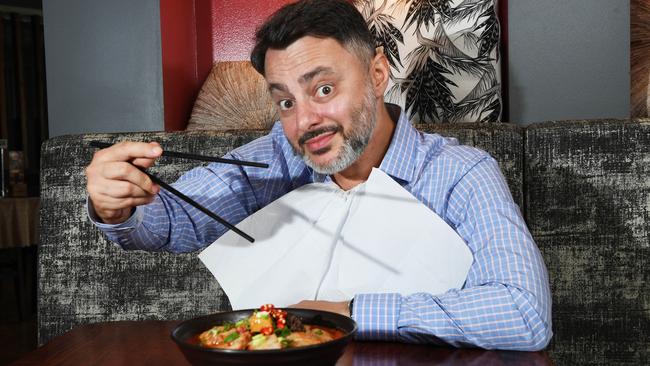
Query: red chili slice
278	313
266	330
267	307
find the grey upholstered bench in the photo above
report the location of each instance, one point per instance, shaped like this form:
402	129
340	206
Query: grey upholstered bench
583	186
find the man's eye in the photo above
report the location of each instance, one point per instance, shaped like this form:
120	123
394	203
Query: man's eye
285	104
324	90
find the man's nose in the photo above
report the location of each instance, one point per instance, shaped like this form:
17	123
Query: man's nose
307	115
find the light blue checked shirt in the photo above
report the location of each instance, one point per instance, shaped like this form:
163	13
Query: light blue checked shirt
505	302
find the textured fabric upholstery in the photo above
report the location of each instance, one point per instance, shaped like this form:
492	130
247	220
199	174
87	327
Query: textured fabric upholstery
588	207
584	188
83	278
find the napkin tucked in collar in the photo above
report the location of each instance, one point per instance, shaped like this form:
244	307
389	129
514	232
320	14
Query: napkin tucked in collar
319	242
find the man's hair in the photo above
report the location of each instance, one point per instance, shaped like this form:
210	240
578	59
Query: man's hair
337	19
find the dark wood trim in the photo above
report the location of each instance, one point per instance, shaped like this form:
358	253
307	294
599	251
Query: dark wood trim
639	58
502	8
4	118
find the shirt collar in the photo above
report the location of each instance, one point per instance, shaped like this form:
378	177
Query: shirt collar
399	161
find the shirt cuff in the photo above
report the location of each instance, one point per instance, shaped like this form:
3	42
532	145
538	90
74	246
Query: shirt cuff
377	316
124	227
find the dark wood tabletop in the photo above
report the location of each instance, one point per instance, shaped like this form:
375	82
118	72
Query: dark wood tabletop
149	343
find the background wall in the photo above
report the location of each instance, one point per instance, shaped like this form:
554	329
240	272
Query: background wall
568	59
197	33
103	66
234	23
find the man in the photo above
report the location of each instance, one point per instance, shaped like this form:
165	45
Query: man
328	82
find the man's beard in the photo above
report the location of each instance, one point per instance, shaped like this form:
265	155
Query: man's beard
355	140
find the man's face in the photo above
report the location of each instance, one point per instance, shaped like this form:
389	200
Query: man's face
326	101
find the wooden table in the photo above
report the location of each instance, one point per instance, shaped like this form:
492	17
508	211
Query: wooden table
149	343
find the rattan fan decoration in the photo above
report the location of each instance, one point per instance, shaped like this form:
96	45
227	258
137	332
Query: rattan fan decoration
234	96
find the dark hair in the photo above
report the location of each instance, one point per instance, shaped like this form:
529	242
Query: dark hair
337	19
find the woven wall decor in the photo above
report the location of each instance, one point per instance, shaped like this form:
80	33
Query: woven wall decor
234	96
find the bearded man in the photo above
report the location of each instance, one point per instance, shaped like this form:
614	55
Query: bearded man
328	82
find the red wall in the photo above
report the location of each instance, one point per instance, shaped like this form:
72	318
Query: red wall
234	23
197	33
194	35
179	60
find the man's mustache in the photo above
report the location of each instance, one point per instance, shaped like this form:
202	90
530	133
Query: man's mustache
313	133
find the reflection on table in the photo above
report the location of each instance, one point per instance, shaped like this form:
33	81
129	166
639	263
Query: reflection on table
149	342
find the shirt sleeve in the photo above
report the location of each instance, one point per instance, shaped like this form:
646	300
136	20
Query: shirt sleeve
505	302
149	227
226	190
116	233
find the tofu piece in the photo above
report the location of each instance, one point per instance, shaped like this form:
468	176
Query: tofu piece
261	341
217	337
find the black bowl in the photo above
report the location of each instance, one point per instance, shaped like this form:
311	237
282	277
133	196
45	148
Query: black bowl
321	354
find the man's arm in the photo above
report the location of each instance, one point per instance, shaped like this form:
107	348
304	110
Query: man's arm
221	189
505	302
232	192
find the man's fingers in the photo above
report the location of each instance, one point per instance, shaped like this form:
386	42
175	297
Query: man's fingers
104	202
127	151
115	185
122	171
116	189
124	189
144	162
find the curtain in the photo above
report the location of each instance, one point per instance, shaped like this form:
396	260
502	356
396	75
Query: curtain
23	117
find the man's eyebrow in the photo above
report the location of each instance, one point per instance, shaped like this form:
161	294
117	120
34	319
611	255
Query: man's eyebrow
278	86
307	77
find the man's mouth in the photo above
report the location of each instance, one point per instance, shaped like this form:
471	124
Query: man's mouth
317	141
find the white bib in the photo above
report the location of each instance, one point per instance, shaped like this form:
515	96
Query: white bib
319	242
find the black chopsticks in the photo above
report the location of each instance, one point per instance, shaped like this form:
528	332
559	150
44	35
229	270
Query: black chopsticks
169	188
173	190
176	154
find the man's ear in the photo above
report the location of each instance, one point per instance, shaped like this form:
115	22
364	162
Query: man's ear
379	73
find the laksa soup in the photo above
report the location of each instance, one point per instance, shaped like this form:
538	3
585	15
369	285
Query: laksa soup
266	328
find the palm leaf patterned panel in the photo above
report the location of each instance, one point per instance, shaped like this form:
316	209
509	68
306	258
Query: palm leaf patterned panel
444	57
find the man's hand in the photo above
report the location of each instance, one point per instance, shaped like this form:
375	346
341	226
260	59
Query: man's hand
115	186
334	307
